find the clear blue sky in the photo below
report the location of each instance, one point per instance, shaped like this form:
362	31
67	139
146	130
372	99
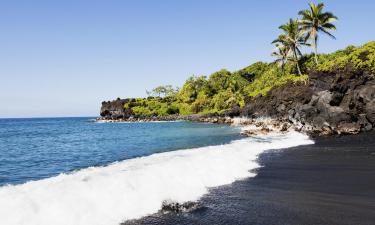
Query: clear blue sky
62	58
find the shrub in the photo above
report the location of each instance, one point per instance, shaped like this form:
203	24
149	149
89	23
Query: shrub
271	78
361	58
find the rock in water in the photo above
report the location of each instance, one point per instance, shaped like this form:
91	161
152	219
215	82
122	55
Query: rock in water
176	207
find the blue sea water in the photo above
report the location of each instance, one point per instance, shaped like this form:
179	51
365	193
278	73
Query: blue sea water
76	171
33	149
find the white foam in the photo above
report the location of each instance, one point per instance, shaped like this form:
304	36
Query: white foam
238	121
134	188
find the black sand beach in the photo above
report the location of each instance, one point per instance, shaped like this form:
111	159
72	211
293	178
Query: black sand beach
331	182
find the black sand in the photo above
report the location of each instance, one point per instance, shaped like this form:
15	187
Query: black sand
331	182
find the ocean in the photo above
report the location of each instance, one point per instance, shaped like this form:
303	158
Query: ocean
76	171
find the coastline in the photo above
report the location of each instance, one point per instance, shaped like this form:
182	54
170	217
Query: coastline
204	113
192	118
325	102
328	99
330	182
328	104
250	126
138	186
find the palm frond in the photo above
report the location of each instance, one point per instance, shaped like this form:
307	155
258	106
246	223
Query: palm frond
329	26
313	21
327	33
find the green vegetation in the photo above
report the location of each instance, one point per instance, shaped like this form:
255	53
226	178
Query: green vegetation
163	90
216	93
291	40
298	32
313	21
358	58
224	90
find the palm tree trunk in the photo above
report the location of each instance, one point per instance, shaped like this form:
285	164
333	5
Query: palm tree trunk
299	70
316	49
297	62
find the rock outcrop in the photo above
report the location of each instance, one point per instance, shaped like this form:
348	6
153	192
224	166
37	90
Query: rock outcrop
114	110
340	103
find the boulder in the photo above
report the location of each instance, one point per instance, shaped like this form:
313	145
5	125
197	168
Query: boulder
364	123
366	93
336	98
348	128
370	111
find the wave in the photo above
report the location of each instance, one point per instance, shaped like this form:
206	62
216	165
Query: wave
137	187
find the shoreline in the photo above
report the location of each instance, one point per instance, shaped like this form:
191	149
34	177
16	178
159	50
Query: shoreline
251	126
130	185
324	183
325	102
192	118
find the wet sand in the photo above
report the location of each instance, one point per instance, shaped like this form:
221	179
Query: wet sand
330	182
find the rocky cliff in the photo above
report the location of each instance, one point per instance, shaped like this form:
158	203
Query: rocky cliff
342	102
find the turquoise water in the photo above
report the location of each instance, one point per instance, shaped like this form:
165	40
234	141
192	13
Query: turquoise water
33	149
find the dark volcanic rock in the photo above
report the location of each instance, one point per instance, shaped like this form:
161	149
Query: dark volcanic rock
176	207
370	109
279	101
234	111
348	128
115	109
342	103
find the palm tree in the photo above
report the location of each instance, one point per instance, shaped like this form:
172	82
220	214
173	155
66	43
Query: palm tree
313	21
293	38
282	53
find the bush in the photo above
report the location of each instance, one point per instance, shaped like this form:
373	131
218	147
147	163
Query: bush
185	109
361	58
272	77
141	111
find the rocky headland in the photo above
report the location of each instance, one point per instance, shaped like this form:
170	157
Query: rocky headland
333	103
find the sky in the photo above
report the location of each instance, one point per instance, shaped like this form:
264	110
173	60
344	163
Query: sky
63	58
